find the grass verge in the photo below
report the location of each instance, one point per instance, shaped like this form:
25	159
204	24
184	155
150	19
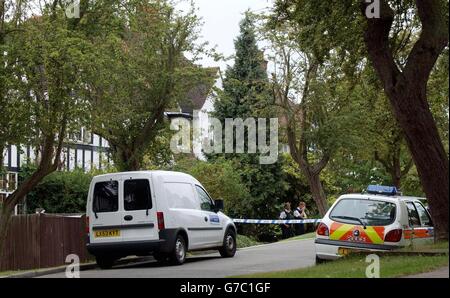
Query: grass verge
431	247
355	267
7	273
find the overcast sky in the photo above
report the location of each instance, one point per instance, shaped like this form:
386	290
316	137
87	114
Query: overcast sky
221	23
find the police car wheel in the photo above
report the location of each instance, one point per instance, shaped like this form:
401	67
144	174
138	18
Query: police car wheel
105	262
320	261
178	255
228	249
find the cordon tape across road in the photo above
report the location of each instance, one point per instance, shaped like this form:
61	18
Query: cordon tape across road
276	221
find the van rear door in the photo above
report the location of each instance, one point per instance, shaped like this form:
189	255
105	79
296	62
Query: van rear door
139	211
105	215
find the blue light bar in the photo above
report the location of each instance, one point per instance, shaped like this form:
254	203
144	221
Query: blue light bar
382	190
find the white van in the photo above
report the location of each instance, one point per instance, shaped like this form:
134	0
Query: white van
161	213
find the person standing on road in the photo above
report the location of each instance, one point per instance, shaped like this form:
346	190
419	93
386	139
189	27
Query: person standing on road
286	214
300	214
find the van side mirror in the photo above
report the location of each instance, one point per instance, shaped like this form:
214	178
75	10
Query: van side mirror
218	205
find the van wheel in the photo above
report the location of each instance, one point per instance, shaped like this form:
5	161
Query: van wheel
228	249
105	262
178	255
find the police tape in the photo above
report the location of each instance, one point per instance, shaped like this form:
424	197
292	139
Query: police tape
276	221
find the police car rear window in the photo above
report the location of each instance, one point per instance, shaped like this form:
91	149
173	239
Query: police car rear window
367	212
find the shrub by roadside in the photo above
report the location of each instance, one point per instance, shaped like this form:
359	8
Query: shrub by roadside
61	192
245	241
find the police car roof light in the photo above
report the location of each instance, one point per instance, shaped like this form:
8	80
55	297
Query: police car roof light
382	190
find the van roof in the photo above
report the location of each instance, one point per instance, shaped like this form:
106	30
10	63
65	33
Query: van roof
157	173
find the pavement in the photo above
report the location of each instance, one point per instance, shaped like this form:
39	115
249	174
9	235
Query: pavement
258	259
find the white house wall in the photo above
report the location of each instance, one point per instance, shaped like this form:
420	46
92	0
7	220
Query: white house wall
203	118
74	155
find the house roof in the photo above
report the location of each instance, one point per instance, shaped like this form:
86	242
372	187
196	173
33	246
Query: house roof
197	96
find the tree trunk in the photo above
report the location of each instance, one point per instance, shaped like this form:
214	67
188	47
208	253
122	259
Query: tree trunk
411	107
1	158
396	180
128	160
318	193
48	164
407	91
5	218
16	198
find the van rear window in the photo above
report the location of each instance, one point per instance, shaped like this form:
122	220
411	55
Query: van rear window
369	212
106	197
137	195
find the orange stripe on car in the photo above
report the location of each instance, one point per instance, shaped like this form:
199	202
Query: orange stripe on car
346	232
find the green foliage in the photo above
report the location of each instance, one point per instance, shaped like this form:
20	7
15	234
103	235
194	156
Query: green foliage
221	181
42	65
59	192
140	72
246	93
245	241
330	29
438	96
159	155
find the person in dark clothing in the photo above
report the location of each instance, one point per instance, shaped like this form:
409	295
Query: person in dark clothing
300	214
286	214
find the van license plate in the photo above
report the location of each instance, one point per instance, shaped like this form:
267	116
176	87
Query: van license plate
107	233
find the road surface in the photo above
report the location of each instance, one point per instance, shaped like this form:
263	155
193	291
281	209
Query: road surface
272	257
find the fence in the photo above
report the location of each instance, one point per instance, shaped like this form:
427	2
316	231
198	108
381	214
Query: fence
42	241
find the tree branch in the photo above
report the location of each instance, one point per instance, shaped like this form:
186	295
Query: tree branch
384	162
432	40
377	40
317	168
407	167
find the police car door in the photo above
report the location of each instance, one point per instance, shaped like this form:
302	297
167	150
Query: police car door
213	231
426	229
422	230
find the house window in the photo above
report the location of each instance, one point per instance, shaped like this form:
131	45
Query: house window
2	197
76	136
87	136
12	181
2	182
81	136
8	182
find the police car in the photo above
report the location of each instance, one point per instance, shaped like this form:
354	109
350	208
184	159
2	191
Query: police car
381	219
